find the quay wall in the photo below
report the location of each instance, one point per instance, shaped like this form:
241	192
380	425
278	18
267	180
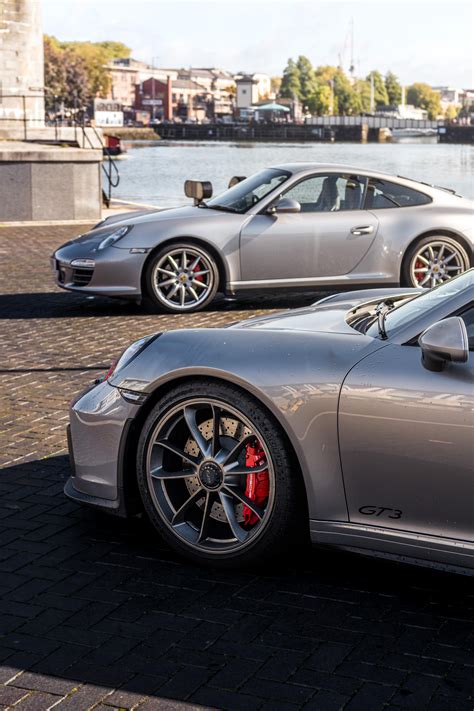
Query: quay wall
456	134
271	132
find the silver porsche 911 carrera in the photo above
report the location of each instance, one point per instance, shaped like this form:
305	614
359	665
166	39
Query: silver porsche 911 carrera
351	420
291	226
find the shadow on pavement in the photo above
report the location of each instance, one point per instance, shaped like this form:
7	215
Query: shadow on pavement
95	608
62	305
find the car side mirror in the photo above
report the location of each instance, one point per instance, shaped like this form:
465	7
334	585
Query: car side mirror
198	190
285	206
442	342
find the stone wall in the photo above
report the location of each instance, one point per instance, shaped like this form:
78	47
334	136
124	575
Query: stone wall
49	183
21	63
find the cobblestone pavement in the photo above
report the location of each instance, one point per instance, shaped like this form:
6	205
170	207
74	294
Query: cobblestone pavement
96	613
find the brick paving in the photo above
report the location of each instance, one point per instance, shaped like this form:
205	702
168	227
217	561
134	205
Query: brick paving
98	613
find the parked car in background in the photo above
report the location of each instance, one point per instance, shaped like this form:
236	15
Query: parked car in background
291	226
351	420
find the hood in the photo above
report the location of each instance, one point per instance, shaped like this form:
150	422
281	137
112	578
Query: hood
327	318
86	245
172	213
328	315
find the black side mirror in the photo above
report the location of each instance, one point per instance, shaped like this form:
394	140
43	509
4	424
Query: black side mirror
198	190
444	341
236	179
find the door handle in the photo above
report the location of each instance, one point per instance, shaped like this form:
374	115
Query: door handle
364	230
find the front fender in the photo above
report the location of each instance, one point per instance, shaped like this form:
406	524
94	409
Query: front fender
296	376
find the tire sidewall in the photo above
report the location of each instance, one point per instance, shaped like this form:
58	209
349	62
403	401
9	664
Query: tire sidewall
153	297
280	529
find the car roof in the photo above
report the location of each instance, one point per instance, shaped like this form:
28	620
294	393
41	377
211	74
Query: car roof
310	167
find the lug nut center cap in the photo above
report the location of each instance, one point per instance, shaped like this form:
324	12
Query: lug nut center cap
210	475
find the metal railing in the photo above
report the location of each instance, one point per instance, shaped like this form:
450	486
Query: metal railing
109	167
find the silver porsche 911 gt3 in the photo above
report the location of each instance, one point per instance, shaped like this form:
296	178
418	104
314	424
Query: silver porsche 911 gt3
352	420
291	226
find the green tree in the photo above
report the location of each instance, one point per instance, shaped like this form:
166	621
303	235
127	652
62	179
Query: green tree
275	83
308	82
424	97
362	92
394	89
344	93
451	112
325	73
76	72
320	101
95	58
114	50
380	91
65	76
290	83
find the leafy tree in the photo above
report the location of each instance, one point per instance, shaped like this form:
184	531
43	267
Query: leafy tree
362	91
325	73
66	77
290	83
344	93
76	72
451	112
114	50
275	84
424	97
380	91
320	101
394	89
307	76
95	58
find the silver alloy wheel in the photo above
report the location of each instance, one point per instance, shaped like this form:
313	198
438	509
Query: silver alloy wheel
436	262
197	475
183	278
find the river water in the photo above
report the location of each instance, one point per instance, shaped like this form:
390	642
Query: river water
154	174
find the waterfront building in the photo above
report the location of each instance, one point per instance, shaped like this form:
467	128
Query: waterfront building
126	73
252	88
211	79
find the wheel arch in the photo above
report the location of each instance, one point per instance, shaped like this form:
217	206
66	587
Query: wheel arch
127	475
198	242
442	232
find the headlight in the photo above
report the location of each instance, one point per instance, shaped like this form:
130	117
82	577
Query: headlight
130	353
114	237
83	263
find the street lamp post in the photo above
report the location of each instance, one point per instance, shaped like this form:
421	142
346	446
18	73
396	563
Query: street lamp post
153	87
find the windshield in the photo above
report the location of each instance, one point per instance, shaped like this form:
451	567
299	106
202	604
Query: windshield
411	310
250	191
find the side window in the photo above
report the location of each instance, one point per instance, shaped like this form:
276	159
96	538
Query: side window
383	194
468	318
328	193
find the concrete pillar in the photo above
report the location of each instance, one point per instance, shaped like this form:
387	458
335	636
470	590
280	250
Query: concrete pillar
21	64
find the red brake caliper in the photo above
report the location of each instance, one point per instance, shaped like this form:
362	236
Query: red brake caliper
258	485
198	268
419	265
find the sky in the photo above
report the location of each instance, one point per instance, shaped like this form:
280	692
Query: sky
420	40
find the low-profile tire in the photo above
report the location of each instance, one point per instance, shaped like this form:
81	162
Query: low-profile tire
194	485
433	260
181	278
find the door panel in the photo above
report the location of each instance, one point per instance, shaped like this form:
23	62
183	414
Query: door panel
407	444
304	245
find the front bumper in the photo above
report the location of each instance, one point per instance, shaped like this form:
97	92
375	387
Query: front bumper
99	422
116	272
